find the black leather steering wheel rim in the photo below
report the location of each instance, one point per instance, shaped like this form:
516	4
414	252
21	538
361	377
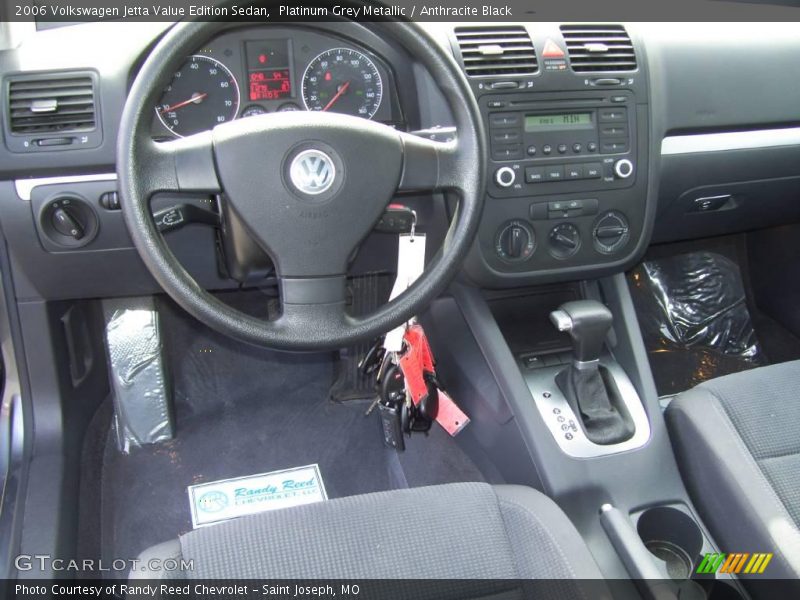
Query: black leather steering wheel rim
145	167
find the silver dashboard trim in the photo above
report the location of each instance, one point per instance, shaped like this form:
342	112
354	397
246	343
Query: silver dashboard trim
733	140
562	422
25	187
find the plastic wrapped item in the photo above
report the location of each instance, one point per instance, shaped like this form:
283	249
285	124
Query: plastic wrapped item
141	401
693	313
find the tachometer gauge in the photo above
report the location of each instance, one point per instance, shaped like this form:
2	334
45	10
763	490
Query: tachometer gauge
345	81
203	93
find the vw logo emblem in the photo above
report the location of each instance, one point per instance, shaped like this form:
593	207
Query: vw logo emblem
312	172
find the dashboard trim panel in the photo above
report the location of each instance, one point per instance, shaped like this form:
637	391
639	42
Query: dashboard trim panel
25	187
733	140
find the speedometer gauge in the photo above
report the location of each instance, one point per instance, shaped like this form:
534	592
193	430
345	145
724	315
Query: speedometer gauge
344	81
202	94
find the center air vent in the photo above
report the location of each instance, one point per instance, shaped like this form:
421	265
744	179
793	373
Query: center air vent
599	48
496	50
50	110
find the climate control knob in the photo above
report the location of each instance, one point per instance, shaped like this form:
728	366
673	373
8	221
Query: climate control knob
515	241
505	177
610	232
564	240
623	168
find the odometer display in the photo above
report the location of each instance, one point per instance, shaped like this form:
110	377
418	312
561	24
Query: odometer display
270	85
202	94
344	81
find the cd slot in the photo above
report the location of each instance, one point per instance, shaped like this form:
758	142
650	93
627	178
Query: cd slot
559	103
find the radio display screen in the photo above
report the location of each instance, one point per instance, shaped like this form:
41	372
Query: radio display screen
537	123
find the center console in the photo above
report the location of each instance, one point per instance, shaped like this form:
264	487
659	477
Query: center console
567	195
541	343
557	382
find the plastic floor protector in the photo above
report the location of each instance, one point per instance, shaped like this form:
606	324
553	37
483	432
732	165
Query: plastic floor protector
141	400
217	501
693	314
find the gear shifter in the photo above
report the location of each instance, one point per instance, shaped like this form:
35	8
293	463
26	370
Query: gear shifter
588	387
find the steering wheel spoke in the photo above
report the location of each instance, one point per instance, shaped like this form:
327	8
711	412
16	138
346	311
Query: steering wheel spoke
306	291
183	165
312	302
429	164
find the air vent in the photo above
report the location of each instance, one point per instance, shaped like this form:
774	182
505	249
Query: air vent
53	104
500	50
599	48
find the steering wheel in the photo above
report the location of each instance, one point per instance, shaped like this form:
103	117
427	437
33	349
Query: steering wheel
309	186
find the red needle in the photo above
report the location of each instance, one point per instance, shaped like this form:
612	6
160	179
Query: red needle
195	98
338	95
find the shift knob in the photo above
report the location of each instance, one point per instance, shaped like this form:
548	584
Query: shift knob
587	322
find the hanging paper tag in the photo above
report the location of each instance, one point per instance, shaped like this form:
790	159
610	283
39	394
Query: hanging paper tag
450	416
410	265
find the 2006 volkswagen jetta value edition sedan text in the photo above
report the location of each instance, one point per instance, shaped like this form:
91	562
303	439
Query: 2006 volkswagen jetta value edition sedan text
421	304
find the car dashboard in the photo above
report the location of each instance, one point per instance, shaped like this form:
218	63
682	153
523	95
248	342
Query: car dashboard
601	138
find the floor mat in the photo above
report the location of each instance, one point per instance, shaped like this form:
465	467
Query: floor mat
242	410
694	317
367	294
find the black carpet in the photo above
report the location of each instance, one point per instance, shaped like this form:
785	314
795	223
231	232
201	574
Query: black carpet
241	411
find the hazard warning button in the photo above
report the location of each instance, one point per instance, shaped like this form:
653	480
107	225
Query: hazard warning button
552	50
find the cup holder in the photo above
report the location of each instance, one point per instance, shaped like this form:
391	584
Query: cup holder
720	590
673	537
678	545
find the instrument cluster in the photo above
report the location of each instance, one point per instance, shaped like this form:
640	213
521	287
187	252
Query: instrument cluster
249	72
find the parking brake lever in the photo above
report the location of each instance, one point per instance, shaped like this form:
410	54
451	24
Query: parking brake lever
175	217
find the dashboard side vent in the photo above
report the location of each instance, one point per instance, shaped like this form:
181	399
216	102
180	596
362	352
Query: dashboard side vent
496	50
55	104
594	48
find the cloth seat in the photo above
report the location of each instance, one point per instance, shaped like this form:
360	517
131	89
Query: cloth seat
455	531
737	440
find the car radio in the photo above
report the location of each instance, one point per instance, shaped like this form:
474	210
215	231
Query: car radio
540	139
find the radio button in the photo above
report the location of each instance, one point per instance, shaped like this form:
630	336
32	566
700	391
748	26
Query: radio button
505	120
574	172
614	130
554	173
592	171
509	152
623	168
531	150
505	177
534	174
576	148
612	146
612	115
591	146
562	148
506	136
547	148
